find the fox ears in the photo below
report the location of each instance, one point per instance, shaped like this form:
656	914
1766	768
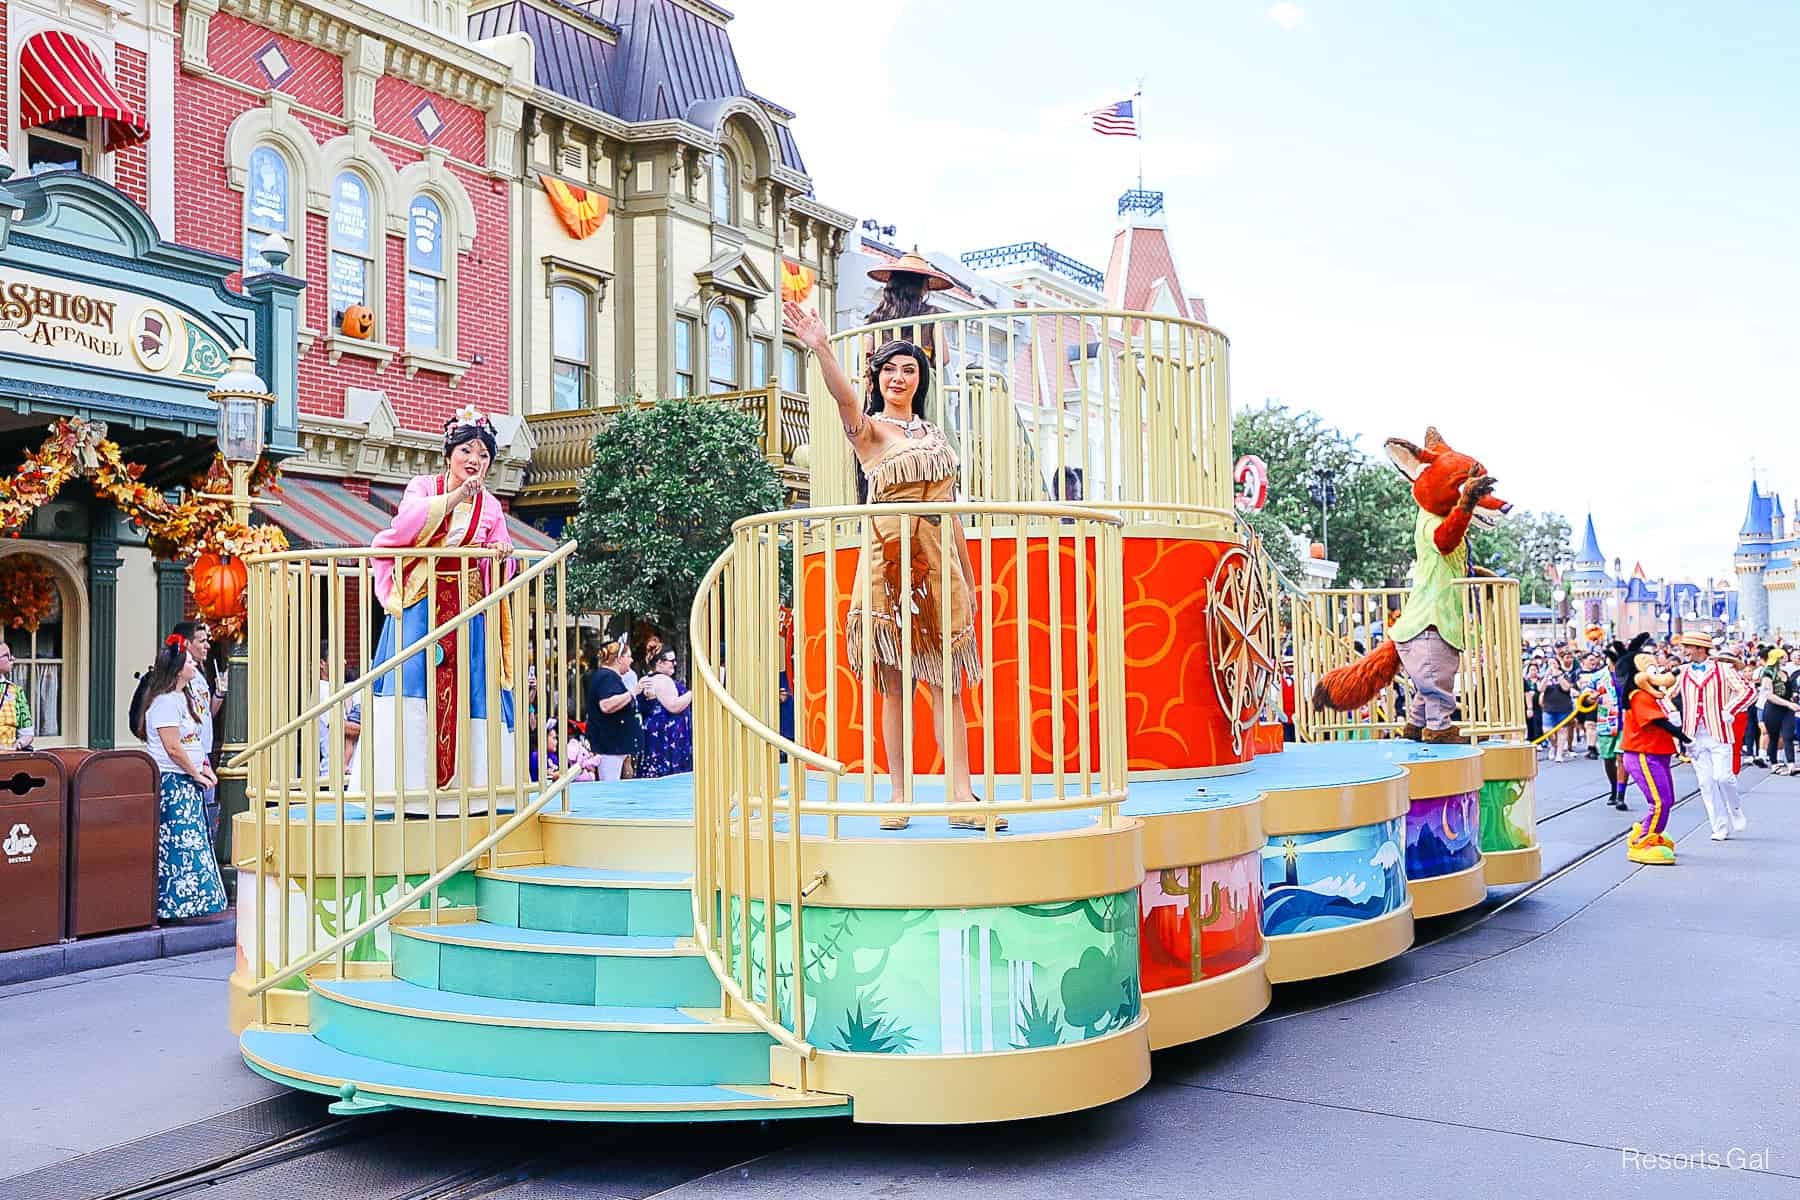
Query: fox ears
1412	460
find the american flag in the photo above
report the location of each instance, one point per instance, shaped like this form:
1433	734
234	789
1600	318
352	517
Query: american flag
1115	120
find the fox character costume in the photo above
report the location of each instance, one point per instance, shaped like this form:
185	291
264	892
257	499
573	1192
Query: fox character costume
1452	491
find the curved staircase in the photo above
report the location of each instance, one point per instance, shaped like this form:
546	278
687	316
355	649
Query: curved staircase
570	993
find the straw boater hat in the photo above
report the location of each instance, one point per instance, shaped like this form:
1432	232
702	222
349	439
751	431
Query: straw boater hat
1704	641
913	264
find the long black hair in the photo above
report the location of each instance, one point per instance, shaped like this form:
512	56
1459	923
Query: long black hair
904	296
873	404
163	677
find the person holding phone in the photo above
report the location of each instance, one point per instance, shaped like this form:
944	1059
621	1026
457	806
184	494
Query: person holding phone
188	883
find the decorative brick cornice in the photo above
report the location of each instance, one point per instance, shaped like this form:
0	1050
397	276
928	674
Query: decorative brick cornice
374	42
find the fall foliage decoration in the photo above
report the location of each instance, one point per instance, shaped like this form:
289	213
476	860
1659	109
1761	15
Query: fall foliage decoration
796	281
27	592
581	212
200	523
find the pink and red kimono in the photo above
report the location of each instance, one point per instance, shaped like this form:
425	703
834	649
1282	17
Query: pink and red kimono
418	594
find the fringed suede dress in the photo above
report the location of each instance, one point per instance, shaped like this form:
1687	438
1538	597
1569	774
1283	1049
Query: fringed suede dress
918	470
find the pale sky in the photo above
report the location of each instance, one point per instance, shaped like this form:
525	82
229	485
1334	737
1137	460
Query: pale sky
1565	233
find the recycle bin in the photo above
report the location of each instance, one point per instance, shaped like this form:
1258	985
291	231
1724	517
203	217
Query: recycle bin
113	812
33	873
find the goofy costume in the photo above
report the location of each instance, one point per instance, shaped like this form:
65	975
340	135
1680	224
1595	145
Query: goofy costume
1711	695
1646	746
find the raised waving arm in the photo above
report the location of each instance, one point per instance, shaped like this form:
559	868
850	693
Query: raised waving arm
811	331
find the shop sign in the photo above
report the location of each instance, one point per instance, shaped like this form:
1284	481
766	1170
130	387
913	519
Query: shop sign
86	325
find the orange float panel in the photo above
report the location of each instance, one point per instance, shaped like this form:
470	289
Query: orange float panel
1174	719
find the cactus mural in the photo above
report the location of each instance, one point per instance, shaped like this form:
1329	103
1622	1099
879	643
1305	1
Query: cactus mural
1199	922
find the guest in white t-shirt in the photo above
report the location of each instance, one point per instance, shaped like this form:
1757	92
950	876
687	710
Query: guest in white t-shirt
187	872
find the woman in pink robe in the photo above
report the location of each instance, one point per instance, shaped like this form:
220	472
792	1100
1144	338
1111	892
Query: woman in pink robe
449	510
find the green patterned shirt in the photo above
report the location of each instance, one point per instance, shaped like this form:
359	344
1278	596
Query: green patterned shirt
1435	599
14	695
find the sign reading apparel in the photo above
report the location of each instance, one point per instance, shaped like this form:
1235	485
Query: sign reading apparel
83	324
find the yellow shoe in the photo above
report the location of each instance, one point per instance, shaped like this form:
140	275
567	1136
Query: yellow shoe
976	823
895	822
1651	854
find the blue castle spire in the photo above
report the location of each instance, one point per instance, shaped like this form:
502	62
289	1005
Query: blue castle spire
1759	515
1590	549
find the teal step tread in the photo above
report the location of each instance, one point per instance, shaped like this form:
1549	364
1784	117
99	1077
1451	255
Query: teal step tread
568	876
302	1060
550	941
411	999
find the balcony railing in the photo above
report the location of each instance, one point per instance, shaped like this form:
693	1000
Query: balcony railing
565	439
1119	410
1328	627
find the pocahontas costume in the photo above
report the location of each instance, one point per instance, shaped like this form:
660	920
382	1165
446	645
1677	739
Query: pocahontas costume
920	469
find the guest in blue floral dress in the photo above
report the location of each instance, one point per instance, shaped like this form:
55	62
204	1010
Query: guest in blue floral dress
187	872
668	721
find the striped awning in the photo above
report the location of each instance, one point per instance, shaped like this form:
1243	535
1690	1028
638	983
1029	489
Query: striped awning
524	535
318	513
61	76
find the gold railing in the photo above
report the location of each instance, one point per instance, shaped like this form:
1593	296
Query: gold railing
564	439
1044	726
1107	407
1329	625
311	608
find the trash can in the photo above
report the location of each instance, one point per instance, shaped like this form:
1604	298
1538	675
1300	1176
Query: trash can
33	872
113	813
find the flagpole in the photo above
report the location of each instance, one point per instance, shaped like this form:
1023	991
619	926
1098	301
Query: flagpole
1137	107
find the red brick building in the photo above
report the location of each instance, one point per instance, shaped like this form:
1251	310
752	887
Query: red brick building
382	151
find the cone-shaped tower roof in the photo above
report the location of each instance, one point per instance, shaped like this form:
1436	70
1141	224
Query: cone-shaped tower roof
1589	555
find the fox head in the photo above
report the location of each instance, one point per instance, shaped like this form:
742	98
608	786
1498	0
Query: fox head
1438	474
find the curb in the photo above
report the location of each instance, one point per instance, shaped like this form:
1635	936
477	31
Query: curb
141	945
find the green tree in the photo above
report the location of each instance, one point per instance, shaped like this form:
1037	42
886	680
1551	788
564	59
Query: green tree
1524	545
1278	541
1371	523
657	506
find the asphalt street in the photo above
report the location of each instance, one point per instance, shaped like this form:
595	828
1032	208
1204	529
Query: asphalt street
1611	1032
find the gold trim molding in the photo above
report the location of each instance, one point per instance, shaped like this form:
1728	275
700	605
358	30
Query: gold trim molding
1341	806
1430	778
963	872
1179	1015
1443	894
1184	839
960	1089
1508	760
1297	956
1508	867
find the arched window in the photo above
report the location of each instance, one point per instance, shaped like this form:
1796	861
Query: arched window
354	240
724	188
268	200
571	349
721	350
427	277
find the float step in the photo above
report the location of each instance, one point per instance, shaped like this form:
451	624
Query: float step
588	900
302	1061
552	966
401	1022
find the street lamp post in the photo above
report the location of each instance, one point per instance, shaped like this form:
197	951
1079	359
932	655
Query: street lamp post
243	401
1323	491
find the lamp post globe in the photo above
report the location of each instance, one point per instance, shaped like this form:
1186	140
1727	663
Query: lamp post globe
243	399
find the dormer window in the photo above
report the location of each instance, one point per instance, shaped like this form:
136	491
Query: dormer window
724	188
65	145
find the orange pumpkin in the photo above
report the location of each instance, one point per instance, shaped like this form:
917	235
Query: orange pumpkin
218	585
359	321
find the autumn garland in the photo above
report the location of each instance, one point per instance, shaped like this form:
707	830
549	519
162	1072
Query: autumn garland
27	592
178	532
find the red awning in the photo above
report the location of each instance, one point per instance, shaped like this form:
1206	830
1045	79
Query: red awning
61	76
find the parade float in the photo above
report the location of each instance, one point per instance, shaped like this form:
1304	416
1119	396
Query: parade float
748	941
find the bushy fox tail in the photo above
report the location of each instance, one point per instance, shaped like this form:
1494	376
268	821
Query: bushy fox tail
1350	687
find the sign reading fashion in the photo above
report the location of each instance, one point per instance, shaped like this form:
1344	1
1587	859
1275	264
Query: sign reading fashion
82	324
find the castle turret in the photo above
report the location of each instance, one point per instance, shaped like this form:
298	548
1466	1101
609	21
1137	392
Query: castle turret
1589	585
1755	537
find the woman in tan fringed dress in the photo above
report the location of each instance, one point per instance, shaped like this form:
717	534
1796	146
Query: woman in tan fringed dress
906	459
